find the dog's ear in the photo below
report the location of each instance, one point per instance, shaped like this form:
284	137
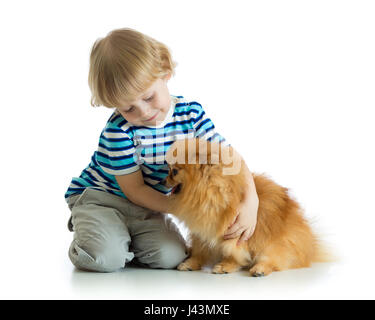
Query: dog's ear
195	150
177	152
204	152
213	153
184	151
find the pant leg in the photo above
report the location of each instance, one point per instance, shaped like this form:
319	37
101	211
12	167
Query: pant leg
157	242
155	239
101	237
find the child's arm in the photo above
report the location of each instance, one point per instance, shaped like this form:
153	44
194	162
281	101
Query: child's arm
246	220
134	188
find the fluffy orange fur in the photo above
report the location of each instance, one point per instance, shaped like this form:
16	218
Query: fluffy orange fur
207	203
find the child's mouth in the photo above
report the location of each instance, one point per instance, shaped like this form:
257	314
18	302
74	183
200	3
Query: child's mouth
153	117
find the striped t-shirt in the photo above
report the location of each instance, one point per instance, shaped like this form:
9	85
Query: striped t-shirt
124	148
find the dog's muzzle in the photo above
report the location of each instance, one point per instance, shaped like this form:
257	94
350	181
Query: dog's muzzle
176	189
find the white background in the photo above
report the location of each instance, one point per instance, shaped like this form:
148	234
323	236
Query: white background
289	83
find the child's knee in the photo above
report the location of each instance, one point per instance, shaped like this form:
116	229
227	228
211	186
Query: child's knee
169	255
98	258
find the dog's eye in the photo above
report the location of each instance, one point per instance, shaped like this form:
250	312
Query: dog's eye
174	172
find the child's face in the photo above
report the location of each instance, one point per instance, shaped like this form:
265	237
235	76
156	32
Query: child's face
151	107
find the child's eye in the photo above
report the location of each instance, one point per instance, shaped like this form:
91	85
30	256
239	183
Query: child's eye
130	110
149	99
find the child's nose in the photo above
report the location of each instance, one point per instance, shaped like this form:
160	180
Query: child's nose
146	112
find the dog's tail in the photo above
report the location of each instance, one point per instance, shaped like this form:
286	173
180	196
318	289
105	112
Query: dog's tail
323	252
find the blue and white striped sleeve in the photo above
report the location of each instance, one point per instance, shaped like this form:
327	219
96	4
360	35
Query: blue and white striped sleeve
116	153
204	127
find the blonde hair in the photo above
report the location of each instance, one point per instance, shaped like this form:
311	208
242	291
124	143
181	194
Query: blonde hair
124	64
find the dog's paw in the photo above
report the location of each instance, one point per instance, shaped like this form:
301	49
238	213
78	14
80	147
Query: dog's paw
221	268
257	274
260	270
184	267
189	265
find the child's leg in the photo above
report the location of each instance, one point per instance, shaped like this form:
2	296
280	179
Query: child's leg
101	237
157	242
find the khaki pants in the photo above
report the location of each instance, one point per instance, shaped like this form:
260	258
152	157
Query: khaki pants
110	231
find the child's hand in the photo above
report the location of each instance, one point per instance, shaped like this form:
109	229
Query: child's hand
246	219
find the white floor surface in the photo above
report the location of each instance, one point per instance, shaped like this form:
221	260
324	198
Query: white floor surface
44	273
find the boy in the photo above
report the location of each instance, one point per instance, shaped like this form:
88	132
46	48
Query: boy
118	202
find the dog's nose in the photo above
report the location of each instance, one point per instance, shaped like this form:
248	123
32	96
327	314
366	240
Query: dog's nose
163	182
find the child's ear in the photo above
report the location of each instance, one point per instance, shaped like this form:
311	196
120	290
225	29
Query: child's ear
167	77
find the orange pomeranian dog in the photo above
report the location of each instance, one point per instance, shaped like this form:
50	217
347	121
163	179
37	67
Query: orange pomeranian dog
207	200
